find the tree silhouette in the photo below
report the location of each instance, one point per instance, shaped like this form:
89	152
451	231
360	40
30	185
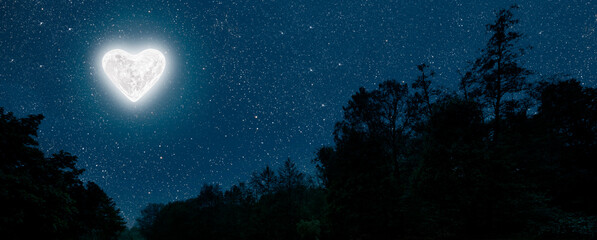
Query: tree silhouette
497	74
407	163
423	83
362	173
46	193
568	116
455	181
289	177
264	182
98	216
288	210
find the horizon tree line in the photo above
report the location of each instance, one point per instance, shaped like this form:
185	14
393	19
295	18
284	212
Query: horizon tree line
408	161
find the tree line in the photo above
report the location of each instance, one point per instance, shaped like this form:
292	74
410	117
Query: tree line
282	204
503	157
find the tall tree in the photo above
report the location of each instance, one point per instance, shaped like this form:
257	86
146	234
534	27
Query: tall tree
148	218
498	73
362	172
264	182
289	177
98	216
425	92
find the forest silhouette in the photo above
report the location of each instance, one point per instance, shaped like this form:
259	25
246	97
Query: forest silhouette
503	157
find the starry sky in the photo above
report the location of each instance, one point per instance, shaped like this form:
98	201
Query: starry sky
248	83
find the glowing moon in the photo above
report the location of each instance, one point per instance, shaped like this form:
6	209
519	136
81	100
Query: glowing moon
134	75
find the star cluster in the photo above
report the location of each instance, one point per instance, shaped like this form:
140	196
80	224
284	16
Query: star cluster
250	83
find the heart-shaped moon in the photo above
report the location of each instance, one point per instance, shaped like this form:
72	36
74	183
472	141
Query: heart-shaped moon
134	75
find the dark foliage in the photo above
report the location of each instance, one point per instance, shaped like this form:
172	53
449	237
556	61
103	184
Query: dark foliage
415	163
287	208
407	162
408	166
43	197
498	77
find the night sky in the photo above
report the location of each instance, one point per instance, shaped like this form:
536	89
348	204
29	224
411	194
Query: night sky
247	83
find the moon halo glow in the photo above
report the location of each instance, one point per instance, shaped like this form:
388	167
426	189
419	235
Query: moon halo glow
134	75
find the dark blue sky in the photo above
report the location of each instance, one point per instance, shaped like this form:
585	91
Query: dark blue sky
247	83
